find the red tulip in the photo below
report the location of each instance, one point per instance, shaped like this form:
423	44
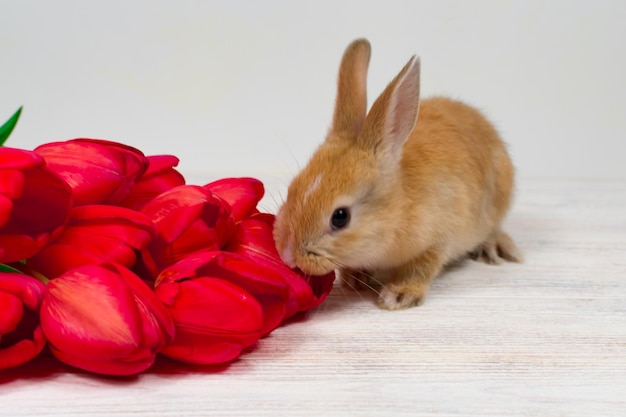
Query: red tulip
34	204
253	238
221	303
95	234
215	320
242	194
98	171
104	319
264	284
187	219
160	177
21	338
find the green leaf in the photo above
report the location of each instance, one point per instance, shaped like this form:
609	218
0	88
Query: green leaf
7	128
7	268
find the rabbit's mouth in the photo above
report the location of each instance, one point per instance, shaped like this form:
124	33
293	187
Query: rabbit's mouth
309	261
314	263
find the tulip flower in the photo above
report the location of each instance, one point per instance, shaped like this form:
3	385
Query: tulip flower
95	234
263	283
221	303
187	219
98	171
242	194
254	239
34	204
215	320
21	338
160	177
104	319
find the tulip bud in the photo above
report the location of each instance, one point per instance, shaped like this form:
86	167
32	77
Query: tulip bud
34	204
265	284
187	219
221	304
98	171
21	338
160	177
104	319
95	234
242	194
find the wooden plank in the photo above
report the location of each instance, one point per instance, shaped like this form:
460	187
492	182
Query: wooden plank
545	338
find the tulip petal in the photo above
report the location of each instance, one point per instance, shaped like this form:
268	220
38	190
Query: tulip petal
265	284
59	257
242	194
215	319
187	219
6	208
47	188
136	362
23	351
11	183
12	311
160	329
160	177
26	288
90	307
98	171
23	228
104	319
175	209
205	349
146	267
21	338
127	226
160	163
197	237
105	211
95	234
19	159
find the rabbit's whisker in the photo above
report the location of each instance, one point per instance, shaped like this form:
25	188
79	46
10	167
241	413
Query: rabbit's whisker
361	277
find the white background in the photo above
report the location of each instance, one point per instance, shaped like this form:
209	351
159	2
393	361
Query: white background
247	87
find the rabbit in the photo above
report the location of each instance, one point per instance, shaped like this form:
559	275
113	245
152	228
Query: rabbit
400	192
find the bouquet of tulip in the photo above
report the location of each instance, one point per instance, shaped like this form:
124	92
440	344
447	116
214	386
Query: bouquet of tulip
108	259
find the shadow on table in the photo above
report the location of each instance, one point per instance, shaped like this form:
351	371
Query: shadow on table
47	368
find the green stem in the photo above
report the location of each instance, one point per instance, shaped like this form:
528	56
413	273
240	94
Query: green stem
40	277
22	268
9	268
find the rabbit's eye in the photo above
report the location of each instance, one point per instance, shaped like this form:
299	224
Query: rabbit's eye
340	218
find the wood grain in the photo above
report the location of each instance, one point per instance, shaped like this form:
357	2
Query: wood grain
544	338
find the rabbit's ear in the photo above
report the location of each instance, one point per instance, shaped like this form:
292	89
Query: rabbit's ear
351	101
393	115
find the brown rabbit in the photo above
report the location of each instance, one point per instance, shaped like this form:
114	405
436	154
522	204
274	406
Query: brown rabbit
393	198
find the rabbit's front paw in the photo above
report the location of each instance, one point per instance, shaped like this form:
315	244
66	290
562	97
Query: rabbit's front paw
401	296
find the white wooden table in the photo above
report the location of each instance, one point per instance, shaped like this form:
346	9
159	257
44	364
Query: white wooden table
545	338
